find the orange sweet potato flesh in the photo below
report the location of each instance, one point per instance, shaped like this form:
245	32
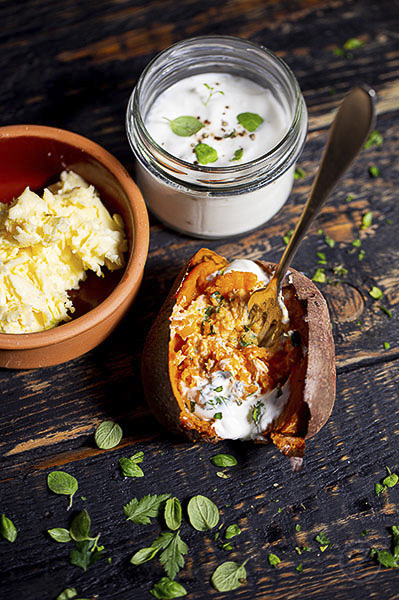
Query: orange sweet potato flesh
311	368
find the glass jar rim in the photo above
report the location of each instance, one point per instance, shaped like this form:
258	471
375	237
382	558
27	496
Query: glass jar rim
225	170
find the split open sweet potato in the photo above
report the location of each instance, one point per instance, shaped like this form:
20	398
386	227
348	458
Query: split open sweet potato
205	376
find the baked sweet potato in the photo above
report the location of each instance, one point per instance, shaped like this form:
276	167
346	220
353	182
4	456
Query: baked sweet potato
205	376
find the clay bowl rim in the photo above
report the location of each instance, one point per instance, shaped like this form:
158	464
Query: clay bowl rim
134	268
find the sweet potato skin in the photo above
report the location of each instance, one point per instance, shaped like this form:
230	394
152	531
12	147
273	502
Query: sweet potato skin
313	383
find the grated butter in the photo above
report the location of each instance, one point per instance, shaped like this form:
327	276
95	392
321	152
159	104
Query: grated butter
46	246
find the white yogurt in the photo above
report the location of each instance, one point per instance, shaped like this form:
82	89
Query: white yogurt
225	197
216	99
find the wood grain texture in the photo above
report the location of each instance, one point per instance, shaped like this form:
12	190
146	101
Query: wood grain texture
73	64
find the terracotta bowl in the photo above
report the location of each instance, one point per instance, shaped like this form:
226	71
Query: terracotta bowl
34	156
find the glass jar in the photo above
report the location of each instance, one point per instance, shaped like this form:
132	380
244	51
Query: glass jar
207	201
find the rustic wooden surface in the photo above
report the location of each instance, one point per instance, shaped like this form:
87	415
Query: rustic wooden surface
73	65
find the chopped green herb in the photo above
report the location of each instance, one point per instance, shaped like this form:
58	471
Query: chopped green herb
319	276
287	236
322	258
223	460
338	52
166	589
173	513
374	171
229	576
218	415
350	197
205	154
387	345
353	44
59	534
129	466
323	541
385	558
274	560
357	243
222	475
385	310
203	513
232	531
329	241
361	254
185	126
297	527
375	139
379	489
376	293
219	389
250	121
141	511
108	435
299	568
67	594
340	271
257	412
389	221
391	479
8	529
238	154
365	532
60	482
367	219
319	232
299	173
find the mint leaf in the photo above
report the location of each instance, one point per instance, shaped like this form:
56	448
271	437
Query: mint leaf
323	541
141	511
203	513
60	482
205	154
232	531
166	589
229	576
8	529
223	460
108	435
185	125
173	513
129	466
144	555
274	560
250	121
59	534
80	527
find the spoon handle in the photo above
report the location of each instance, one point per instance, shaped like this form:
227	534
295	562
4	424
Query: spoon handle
348	133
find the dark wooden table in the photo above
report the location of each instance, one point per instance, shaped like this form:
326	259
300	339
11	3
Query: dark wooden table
73	64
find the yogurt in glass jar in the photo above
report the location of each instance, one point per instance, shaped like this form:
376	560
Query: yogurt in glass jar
216	125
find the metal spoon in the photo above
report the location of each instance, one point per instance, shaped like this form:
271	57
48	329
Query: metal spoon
348	132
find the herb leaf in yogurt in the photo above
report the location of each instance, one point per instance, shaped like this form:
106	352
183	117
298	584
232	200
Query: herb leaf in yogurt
185	125
250	121
238	154
257	411
205	154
